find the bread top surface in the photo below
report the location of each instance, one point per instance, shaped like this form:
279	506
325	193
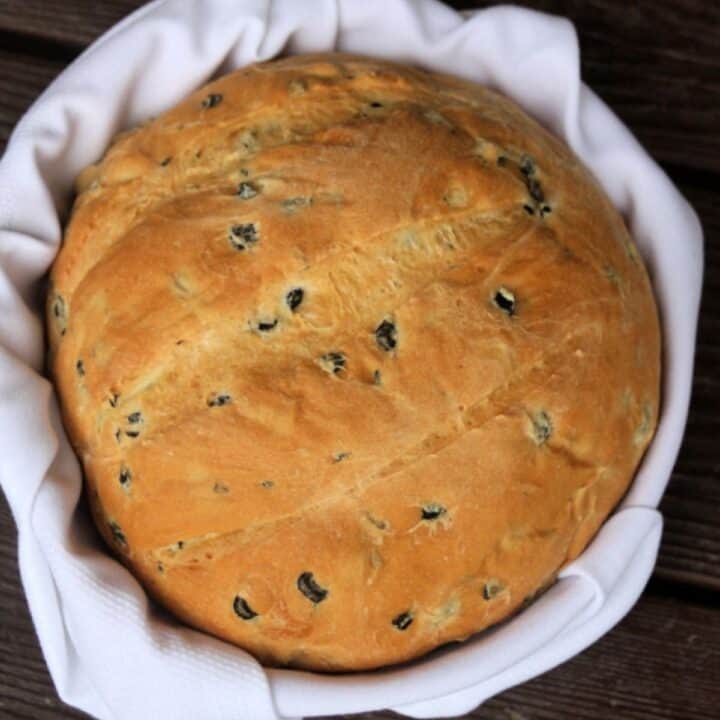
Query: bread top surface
355	357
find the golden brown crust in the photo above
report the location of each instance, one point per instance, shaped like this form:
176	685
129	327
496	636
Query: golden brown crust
355	356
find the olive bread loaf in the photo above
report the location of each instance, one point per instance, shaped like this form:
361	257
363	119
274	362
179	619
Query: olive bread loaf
355	357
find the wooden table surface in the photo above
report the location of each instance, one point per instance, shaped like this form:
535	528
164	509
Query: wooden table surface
657	64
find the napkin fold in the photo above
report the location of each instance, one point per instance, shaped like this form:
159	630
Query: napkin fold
112	653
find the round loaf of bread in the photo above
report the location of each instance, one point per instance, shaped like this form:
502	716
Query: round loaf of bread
355	357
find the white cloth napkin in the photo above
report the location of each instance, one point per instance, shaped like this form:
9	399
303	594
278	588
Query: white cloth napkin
108	650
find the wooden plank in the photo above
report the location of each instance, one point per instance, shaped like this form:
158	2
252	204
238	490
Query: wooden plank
654	63
662	661
690	549
73	22
26	690
642	669
22	79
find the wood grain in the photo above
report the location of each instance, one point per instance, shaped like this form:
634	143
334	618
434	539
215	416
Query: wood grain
22	78
655	64
690	548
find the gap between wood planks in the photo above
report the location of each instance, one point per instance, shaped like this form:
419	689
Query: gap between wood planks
49	48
